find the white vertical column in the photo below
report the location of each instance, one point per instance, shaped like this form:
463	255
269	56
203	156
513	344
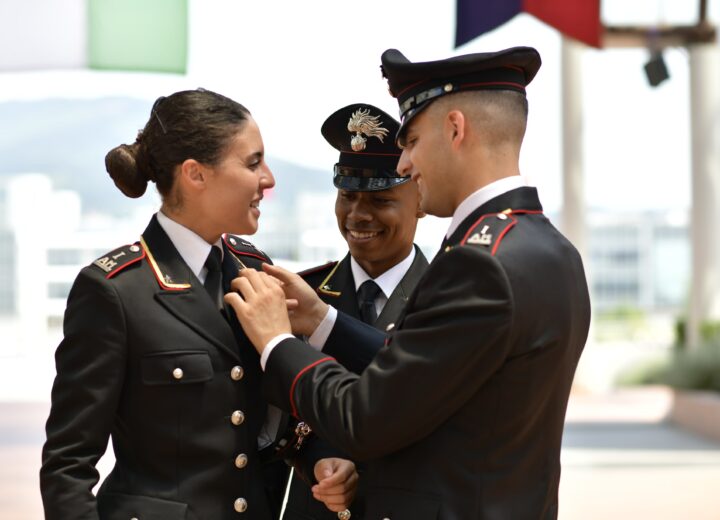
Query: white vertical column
704	301
573	213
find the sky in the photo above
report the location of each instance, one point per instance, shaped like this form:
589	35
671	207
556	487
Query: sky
294	63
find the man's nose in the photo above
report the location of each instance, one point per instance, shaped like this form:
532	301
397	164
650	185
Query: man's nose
404	167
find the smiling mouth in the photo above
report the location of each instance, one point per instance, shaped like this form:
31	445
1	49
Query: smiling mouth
362	235
255	204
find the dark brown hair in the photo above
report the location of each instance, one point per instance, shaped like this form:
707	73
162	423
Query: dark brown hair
191	124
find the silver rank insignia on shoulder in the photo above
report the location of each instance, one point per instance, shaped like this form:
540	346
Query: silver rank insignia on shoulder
105	263
361	122
482	238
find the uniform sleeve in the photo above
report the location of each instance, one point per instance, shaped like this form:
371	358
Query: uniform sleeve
90	363
455	335
353	343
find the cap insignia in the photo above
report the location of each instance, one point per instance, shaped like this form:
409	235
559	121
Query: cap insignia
361	122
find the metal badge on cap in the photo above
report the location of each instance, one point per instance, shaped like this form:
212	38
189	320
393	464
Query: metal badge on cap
361	122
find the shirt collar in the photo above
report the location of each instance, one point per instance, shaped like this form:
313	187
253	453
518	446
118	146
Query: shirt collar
386	281
192	247
481	196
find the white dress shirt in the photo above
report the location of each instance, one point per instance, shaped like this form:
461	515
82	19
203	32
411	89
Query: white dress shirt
192	247
387	282
481	196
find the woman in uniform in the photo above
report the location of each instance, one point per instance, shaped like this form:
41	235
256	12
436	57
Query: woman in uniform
150	358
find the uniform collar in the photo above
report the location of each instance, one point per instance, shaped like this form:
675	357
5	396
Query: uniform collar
481	196
193	249
386	281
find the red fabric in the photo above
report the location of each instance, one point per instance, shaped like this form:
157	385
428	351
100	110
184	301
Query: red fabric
578	19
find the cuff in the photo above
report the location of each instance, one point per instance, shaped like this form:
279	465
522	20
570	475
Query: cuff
273	343
321	334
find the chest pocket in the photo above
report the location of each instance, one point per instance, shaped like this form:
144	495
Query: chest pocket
176	367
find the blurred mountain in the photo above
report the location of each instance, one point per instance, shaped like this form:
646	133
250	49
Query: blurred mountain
67	139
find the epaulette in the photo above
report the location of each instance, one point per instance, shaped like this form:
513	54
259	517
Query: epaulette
117	260
240	246
489	230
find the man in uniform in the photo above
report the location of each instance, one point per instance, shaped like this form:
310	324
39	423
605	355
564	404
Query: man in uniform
377	212
460	414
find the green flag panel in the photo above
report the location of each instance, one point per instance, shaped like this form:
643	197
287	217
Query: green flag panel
138	35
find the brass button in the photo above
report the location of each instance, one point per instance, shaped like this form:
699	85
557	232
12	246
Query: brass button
237	417
178	373
241	461
237	373
240	505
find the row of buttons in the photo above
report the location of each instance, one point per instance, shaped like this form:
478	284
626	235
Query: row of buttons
237	418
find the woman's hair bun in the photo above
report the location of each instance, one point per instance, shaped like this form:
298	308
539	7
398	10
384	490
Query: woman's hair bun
122	164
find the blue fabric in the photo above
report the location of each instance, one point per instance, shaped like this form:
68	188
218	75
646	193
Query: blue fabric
475	17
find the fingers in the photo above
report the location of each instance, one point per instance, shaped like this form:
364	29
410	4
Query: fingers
337	482
278	272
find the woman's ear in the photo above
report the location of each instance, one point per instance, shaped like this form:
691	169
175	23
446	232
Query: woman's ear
193	174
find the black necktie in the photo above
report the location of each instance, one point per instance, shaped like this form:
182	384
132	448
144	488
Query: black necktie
213	280
367	293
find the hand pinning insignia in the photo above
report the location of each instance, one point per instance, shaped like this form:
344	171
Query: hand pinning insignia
361	122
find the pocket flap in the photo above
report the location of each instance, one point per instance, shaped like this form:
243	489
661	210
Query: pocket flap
176	367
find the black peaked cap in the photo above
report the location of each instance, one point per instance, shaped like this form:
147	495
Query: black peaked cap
365	137
416	85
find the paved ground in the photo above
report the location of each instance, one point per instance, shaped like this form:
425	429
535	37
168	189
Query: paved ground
620	461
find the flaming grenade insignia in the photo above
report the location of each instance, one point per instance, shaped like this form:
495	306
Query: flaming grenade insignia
361	122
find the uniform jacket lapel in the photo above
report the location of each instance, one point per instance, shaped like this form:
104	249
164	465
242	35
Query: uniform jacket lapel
339	289
397	300
182	294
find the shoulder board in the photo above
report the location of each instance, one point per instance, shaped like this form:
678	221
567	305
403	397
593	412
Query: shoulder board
318	269
117	260
240	246
489	230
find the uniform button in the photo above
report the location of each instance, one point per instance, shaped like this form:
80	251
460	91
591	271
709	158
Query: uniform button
237	417
134	249
241	461
240	505
178	373
237	373
390	327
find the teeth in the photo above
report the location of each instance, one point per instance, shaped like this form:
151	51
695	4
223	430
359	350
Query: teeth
361	234
255	204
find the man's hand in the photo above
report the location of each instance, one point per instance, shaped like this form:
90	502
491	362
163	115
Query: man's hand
310	309
337	483
262	309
